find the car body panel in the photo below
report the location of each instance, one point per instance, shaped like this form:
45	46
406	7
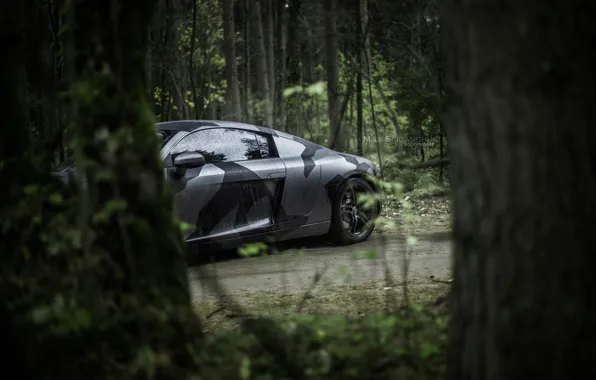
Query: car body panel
228	198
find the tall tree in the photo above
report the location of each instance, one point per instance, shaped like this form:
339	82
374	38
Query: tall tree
177	70
280	60
336	137
293	60
362	48
522	98
234	108
246	62
262	78
270	47
137	275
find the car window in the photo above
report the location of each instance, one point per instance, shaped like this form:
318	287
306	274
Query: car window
264	146
165	135
223	145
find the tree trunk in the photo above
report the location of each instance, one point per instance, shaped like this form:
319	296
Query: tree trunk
163	84
263	90
307	46
246	62
280	31
336	137
177	71
293	62
270	48
522	91
148	63
234	110
125	198
361	54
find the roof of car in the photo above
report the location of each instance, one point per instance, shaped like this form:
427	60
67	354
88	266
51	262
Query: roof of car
192	125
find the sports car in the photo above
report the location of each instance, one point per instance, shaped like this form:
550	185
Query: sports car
235	183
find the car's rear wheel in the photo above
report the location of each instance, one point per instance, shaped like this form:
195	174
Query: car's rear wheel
351	222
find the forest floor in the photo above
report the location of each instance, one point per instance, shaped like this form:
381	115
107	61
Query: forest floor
423	215
315	278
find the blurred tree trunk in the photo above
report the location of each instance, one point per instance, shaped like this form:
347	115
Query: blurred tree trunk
234	110
149	62
308	44
270	48
293	62
522	97
247	68
280	59
336	137
177	69
361	54
125	199
260	54
192	74
162	60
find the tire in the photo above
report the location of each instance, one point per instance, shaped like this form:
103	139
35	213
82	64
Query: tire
343	231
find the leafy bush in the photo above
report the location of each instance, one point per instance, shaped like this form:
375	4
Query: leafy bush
409	344
419	183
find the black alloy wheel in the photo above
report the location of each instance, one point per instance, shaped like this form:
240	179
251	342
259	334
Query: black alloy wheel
352	222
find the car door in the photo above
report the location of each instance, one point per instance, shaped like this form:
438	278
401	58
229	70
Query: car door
236	192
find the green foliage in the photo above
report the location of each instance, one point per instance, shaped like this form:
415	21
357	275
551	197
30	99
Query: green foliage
409	344
316	89
253	249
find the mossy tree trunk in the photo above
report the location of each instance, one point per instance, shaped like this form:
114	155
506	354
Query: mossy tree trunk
522	98
126	199
109	298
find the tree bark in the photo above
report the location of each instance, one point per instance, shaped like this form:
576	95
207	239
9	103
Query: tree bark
522	98
293	62
178	71
280	31
361	69
263	89
336	137
270	48
124	198
246	61
234	110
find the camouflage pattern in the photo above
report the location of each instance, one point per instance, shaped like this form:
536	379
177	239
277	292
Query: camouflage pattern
285	196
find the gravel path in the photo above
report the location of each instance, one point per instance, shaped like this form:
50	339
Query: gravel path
295	269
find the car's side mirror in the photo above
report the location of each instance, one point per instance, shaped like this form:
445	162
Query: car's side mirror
188	160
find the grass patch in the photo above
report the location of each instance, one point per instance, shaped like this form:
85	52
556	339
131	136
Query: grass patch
339	332
371	298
